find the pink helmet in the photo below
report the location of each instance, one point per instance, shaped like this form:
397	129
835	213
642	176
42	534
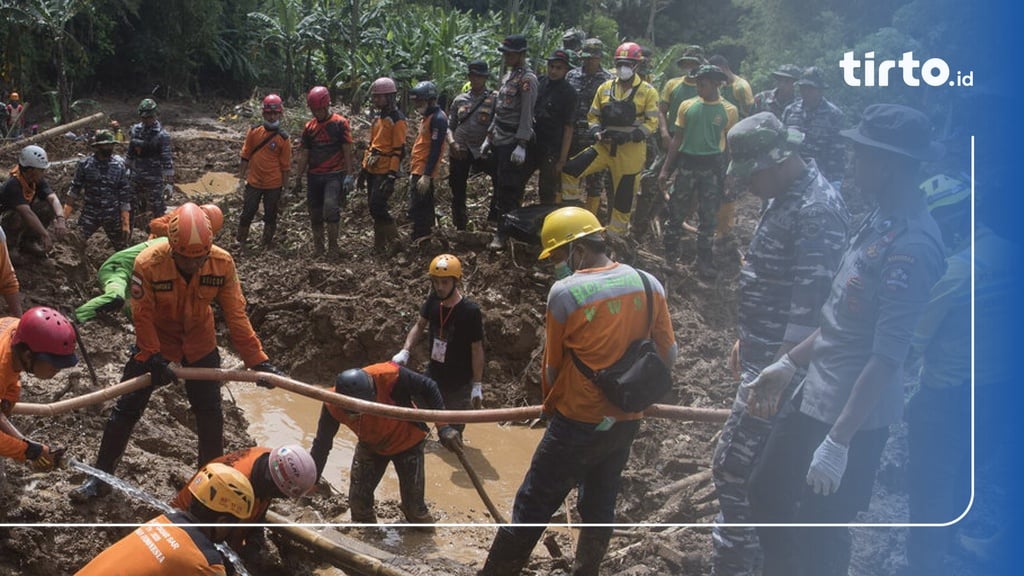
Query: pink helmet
319	97
383	85
49	335
272	103
293	470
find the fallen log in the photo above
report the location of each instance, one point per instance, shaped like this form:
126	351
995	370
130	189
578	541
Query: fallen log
52	132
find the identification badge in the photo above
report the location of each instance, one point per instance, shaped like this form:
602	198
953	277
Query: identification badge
438	350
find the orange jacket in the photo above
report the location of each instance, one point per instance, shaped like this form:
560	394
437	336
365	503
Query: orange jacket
395	387
8	279
164	546
10	387
387	143
270	161
243	461
174	317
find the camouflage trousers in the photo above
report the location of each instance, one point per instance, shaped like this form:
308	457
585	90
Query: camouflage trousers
737	551
700	184
148	202
92	220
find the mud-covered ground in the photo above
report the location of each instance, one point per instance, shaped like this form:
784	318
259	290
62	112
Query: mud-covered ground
317	317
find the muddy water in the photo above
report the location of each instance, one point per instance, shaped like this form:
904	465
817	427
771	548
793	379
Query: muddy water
211	183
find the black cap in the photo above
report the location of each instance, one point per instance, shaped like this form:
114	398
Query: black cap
513	43
478	68
897	129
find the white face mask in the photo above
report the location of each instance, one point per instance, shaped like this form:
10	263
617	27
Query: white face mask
625	72
272	125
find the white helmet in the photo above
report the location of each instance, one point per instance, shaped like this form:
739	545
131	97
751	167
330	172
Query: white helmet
293	470
33	157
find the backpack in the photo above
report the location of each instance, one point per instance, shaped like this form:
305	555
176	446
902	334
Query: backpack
639	378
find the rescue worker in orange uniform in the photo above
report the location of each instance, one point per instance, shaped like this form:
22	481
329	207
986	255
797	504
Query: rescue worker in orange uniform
263	171
383	440
283	472
169	545
427	154
42	343
172	289
10	288
383	159
158	225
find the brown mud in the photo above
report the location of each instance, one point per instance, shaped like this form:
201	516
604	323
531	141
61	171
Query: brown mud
317	317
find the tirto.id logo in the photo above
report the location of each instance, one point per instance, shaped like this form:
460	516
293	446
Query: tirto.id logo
933	71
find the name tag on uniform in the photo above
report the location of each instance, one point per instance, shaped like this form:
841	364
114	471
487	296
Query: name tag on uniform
438	350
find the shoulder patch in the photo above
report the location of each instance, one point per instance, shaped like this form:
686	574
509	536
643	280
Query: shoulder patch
136	289
211	280
525	86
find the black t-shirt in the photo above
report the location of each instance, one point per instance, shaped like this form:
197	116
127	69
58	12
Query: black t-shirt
555	109
463	325
11	195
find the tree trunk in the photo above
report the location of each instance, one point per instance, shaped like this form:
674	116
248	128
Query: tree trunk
63	90
355	32
650	21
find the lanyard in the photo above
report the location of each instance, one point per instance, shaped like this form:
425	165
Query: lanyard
444	317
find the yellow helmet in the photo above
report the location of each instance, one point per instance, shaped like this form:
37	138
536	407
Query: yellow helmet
565	225
221	488
942	190
446	265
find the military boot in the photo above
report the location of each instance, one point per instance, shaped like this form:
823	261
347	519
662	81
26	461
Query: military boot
332	240
243	235
318	239
268	235
508	555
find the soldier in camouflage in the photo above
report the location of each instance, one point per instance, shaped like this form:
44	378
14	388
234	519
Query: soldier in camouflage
151	164
820	121
784	281
784	93
586	79
101	185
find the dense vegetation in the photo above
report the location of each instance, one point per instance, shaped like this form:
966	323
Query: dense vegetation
59	50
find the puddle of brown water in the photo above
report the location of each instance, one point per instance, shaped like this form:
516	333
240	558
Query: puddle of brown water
211	183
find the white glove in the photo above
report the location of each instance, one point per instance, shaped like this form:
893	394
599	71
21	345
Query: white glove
519	155
423	184
477	395
485	147
168	191
401	358
766	390
827	467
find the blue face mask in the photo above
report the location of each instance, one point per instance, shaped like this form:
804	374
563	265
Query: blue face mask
562	270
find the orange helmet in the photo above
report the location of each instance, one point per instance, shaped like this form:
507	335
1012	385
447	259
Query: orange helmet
446	265
216	216
189	232
629	51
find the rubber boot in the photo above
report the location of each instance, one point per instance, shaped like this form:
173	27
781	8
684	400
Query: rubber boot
268	235
594	204
706	264
332	240
379	240
112	447
590	550
318	239
391	238
508	555
243	235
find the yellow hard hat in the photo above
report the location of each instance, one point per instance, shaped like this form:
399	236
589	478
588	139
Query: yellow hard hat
221	488
565	225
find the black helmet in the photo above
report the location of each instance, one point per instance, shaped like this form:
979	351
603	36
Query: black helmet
425	90
355	382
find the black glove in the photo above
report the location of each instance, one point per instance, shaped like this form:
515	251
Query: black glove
41	457
361	180
595	132
637	135
112	307
269	368
160	372
450	438
388	186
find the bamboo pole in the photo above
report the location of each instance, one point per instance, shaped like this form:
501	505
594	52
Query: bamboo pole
337	554
361	406
479	485
55	131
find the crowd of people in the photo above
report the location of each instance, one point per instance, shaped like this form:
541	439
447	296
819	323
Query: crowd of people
829	307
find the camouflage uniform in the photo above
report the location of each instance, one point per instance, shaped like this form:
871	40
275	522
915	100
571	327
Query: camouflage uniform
586	86
820	127
785	278
149	158
769	100
103	184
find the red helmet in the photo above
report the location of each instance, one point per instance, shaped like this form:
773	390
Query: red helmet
272	103
319	97
629	51
49	335
383	85
189	231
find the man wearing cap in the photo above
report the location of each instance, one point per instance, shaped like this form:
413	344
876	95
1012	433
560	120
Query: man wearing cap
622	115
735	89
776	99
554	115
101	184
586	79
676	90
699	144
820	121
785	278
819	463
151	163
572	40
511	132
469	117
